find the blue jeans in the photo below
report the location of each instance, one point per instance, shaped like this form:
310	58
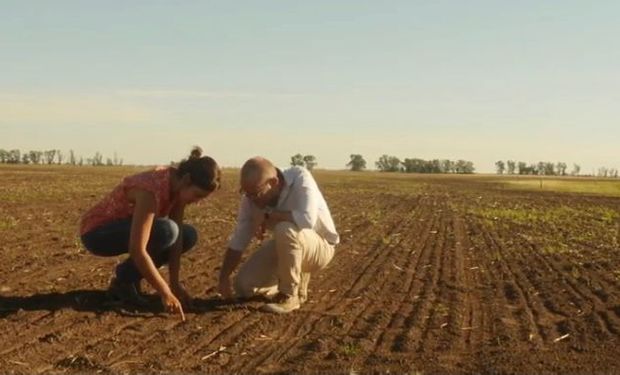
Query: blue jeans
112	239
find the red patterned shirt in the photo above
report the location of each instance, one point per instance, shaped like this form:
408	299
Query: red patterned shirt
116	205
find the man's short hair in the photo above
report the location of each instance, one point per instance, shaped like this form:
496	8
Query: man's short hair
257	169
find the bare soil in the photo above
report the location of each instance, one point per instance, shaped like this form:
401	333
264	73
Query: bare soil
423	282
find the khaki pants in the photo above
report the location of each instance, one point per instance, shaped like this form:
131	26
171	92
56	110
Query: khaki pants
276	266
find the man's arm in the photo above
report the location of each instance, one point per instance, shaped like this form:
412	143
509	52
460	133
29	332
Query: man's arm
240	239
232	258
277	216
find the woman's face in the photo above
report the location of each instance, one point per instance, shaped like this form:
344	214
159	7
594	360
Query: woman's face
192	194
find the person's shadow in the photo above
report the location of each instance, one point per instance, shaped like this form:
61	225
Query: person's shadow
97	301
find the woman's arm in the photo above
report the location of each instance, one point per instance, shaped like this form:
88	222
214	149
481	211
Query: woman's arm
141	225
174	262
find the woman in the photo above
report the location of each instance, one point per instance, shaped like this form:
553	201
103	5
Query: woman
143	216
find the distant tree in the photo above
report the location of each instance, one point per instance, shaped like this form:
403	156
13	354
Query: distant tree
522	167
613	173
447	166
72	160
388	163
576	170
435	166
414	165
25	159
4	156
560	168
603	172
549	169
469	167
109	162
511	165
310	161
464	167
96	160
35	156
81	162
500	167
49	156
59	156
357	162
14	156
297	160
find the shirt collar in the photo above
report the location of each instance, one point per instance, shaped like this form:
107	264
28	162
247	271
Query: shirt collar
288	181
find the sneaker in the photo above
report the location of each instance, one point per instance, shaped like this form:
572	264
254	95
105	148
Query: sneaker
126	292
282	304
303	287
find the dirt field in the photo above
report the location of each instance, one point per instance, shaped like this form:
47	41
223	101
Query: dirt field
434	275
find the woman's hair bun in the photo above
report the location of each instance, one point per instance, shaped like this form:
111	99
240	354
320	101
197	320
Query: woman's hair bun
196	153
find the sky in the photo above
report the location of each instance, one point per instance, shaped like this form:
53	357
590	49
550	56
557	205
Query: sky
475	80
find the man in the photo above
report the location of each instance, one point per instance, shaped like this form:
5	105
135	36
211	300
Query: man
289	204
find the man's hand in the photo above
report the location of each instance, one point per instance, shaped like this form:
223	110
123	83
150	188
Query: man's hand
180	293
225	288
260	232
172	304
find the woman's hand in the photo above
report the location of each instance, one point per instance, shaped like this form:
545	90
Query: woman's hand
182	295
172	304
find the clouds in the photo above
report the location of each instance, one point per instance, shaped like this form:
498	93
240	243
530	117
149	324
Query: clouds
198	94
70	108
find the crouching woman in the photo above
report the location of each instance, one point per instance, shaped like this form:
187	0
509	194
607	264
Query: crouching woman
143	216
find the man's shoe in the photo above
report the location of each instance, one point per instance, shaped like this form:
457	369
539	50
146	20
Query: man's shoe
126	293
282	304
303	287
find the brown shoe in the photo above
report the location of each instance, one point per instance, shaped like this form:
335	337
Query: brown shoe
282	304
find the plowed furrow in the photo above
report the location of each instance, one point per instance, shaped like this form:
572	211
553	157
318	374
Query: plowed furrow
357	315
533	319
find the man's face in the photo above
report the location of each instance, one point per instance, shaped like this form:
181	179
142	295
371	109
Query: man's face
261	193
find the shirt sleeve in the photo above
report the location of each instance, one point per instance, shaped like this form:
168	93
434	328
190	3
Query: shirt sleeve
244	230
305	195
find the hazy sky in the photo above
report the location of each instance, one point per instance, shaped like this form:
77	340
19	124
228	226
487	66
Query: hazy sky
475	80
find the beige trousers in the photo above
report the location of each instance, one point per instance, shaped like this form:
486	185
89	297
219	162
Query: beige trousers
276	266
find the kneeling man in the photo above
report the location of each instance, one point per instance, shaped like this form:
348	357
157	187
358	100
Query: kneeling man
288	203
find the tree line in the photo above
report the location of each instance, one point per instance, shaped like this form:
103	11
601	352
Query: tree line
308	161
545	168
387	163
55	157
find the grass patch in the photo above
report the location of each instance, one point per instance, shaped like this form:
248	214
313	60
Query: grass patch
8	222
350	349
567	185
549	215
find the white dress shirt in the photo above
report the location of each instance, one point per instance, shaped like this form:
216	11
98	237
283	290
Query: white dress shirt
301	196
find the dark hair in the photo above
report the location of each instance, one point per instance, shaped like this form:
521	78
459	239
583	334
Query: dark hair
203	170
